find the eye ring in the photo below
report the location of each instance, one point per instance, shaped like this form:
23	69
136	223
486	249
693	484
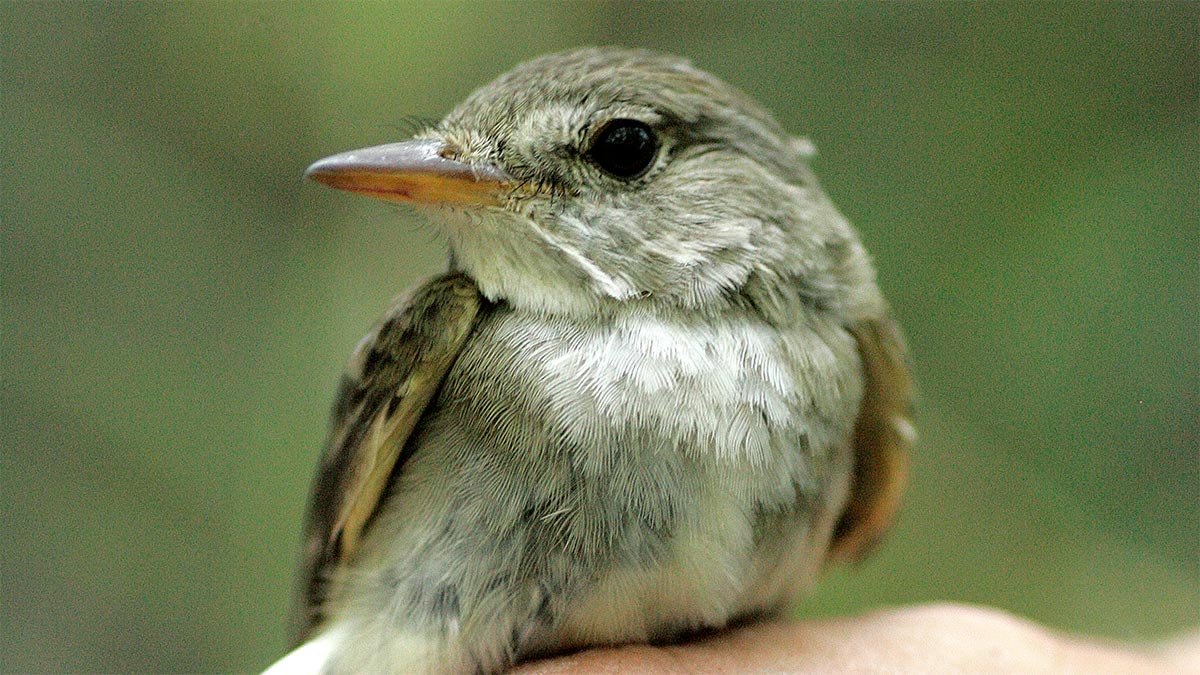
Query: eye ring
624	148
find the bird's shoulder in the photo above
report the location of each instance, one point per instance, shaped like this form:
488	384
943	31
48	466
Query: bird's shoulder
391	377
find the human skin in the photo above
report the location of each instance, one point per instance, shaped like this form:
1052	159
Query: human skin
940	638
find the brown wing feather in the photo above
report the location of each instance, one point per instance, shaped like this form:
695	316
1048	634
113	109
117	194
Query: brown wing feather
390	379
883	435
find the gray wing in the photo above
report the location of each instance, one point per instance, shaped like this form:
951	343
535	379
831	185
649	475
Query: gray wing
390	379
883	434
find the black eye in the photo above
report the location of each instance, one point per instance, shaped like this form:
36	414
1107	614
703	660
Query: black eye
624	148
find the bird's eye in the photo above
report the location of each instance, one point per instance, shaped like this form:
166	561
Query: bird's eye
624	148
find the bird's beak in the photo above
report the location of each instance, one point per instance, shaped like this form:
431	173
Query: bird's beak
422	172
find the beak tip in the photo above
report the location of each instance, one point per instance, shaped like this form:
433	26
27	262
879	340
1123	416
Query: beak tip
318	170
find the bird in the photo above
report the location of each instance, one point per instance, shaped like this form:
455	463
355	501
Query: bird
655	393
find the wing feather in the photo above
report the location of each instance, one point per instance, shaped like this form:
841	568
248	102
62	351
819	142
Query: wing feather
392	376
883	435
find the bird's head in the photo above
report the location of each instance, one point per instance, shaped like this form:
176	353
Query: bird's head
599	176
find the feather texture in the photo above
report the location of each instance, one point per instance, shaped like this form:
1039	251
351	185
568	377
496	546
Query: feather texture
392	375
883	435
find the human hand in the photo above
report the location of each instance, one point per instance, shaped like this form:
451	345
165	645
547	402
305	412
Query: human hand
941	638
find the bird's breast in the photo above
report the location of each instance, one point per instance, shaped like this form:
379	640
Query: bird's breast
732	394
703	460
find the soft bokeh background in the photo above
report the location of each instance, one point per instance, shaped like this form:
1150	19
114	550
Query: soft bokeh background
177	302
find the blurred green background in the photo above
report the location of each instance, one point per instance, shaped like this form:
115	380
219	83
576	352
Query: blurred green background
177	301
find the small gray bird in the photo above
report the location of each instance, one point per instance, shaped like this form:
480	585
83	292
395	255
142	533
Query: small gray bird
655	393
